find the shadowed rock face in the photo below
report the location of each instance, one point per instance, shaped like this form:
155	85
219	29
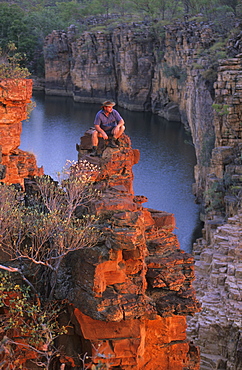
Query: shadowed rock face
15	164
131	292
217	328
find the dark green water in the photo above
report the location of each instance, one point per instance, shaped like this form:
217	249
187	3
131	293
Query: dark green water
165	171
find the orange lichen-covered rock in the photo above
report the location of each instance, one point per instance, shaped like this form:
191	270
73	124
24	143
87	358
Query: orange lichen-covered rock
15	95
132	291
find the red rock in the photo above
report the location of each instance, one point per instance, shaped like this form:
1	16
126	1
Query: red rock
15	95
140	344
137	285
132	291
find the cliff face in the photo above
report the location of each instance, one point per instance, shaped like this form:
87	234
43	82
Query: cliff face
217	328
142	67
101	66
171	75
131	293
15	164
168	70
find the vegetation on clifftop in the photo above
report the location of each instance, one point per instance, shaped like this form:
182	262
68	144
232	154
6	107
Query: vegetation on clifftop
26	23
11	60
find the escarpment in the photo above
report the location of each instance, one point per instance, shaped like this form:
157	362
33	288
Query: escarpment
130	293
217	328
142	67
175	72
15	164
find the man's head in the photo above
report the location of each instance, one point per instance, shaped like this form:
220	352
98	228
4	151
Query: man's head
108	103
108	106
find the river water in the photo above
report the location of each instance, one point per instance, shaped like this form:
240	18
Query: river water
164	173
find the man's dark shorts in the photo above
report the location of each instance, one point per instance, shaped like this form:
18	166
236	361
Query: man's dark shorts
109	132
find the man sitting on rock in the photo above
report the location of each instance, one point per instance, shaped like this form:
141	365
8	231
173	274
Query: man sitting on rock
109	125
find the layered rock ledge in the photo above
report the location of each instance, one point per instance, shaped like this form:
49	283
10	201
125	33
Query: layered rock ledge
130	294
217	329
15	164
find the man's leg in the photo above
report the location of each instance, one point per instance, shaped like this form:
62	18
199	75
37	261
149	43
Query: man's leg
94	143
114	141
111	141
120	132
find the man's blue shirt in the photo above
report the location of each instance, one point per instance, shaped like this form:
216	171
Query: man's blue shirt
107	123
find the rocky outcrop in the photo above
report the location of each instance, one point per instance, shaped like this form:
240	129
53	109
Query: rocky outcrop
15	164
169	70
130	293
100	66
141	67
217	329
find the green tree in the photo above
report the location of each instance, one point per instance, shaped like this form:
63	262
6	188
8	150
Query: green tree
148	7
69	12
239	8
12	26
230	3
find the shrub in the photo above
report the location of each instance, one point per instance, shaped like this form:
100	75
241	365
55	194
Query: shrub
221	109
47	228
10	66
37	231
175	72
29	327
214	197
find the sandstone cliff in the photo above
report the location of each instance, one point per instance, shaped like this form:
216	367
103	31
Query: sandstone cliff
169	75
142	67
172	73
218	328
131	293
15	164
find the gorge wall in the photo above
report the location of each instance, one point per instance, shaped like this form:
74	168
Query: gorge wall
167	75
217	329
15	164
171	73
141	67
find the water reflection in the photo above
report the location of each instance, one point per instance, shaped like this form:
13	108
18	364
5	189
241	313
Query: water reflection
165	171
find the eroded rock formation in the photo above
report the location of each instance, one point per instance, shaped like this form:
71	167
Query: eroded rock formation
142	67
15	164
171	73
130	293
217	329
